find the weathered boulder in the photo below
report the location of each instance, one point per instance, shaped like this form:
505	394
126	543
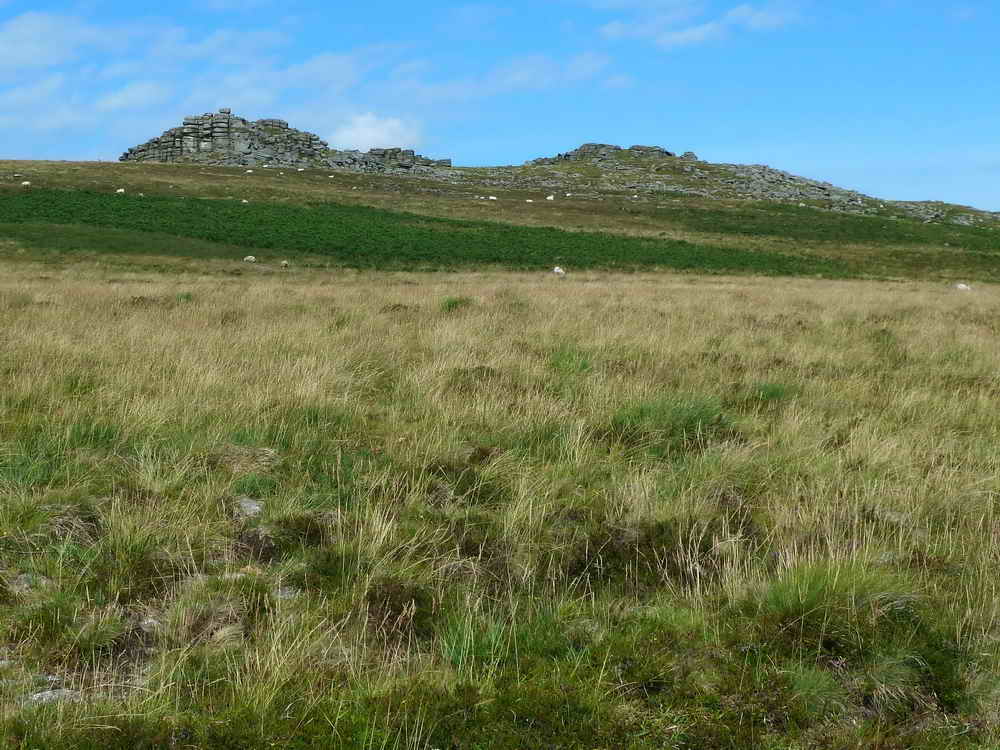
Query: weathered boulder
599	152
223	139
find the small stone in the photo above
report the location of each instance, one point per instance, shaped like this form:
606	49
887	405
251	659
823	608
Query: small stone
51	696
286	592
247	507
27	581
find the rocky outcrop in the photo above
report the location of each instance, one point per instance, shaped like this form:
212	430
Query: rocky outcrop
602	152
223	139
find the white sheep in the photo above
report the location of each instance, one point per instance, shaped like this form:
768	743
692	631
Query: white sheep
249	171
244	201
300	169
120	191
559	272
492	197
550	197
250	259
26	184
529	201
284	264
963	287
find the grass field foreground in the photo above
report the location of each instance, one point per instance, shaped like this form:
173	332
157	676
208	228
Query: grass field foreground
496	510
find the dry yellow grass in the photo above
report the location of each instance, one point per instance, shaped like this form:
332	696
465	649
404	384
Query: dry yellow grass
861	430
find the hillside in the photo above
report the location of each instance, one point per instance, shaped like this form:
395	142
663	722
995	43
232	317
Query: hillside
646	212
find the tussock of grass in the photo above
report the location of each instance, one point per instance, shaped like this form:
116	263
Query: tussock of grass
329	513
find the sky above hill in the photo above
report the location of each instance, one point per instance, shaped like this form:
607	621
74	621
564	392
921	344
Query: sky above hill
896	98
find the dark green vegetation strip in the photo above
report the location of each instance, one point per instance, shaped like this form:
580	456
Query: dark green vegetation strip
810	224
362	237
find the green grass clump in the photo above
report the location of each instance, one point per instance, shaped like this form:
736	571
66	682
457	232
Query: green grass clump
670	425
453	304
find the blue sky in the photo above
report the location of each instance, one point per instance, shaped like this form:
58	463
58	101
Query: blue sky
897	98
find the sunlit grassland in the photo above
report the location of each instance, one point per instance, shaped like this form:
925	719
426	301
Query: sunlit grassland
779	238
499	510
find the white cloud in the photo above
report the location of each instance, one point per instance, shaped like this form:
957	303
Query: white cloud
523	73
692	35
474	18
365	131
328	71
675	23
585	66
39	40
224	46
762	19
138	95
621	81
48	104
964	12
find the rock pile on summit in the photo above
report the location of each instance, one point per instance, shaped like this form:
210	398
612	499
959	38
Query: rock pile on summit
597	153
223	139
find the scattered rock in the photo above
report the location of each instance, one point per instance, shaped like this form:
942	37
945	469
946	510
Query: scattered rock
26	582
52	696
247	507
599	152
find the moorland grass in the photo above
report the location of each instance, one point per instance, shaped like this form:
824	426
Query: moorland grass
355	236
635	511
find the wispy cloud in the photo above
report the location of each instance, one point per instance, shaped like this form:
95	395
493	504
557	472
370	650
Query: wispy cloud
676	23
473	19
39	40
368	130
138	95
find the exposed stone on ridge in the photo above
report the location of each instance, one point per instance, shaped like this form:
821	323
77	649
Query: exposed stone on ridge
597	152
223	139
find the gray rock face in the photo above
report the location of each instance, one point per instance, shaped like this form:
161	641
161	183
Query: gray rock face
223	139
51	696
599	152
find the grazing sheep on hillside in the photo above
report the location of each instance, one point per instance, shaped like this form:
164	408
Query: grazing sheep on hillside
249	171
529	201
963	287
559	272
550	197
120	191
250	259
244	201
26	184
492	197
284	264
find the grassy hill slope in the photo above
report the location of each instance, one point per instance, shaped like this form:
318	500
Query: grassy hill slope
393	222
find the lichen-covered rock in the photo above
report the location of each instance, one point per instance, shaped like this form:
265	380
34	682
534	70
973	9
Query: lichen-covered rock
598	152
223	139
